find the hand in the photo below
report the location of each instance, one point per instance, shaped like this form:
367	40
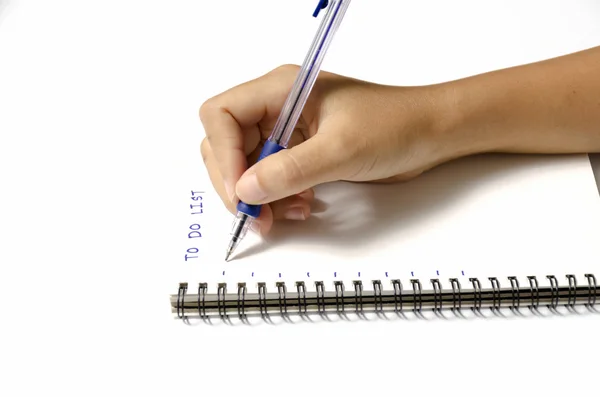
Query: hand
349	130
359	131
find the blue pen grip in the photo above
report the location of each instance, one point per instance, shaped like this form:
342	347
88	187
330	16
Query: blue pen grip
253	210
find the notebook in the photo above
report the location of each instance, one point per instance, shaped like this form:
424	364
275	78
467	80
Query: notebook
492	234
497	231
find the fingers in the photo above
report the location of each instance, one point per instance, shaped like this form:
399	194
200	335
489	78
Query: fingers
215	177
320	159
296	207
227	116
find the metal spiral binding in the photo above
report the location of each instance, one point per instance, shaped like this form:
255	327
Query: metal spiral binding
476	294
456	287
572	287
221	291
397	295
339	296
180	299
592	290
358	290
378	293
535	292
437	295
554	286
281	290
379	301
202	287
301	289
495	294
241	301
515	293
320	297
262	300
418	297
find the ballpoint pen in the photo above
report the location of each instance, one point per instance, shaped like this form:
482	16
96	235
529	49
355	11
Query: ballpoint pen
292	107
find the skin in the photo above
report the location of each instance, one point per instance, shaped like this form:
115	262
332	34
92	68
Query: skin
361	131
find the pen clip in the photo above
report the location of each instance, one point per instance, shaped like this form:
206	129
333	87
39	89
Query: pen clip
322	4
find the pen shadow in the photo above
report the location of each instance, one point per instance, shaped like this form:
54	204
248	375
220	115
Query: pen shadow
358	214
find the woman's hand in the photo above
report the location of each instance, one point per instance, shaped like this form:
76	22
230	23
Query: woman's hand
349	130
359	131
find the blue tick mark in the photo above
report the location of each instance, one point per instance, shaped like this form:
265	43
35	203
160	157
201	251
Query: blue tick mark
307	274
463	272
279	275
334	274
252	274
223	272
412	274
386	274
358	274
437	272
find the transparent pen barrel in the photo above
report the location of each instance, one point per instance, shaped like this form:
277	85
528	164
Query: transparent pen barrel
309	71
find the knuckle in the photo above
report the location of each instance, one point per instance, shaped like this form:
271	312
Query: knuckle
290	170
205	150
286	69
206	108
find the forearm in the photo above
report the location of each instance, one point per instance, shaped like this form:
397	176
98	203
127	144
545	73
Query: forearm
551	106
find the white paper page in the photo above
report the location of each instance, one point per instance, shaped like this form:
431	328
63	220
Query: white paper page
483	216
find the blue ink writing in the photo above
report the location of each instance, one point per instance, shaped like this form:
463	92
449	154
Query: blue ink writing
199	210
463	272
196	196
191	251
437	272
386	274
412	274
194	233
196	208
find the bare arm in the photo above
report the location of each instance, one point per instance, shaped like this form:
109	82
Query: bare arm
361	131
551	106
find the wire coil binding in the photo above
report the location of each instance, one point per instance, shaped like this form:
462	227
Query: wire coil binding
378	300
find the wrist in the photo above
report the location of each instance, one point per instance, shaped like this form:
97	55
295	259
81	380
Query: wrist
462	120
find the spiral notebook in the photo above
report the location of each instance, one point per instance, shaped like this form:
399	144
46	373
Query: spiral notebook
485	235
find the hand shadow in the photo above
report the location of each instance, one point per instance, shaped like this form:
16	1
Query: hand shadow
357	214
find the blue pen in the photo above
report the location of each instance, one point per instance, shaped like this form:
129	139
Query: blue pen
293	106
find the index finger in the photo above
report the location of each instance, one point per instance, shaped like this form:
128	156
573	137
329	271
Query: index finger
227	115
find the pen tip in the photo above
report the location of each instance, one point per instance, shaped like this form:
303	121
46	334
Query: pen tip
227	256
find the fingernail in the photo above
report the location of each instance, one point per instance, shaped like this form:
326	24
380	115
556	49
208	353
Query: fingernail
250	190
294	214
304	194
230	190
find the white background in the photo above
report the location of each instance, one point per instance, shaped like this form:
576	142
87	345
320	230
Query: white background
99	132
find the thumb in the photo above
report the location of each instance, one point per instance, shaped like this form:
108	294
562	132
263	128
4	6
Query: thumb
318	160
